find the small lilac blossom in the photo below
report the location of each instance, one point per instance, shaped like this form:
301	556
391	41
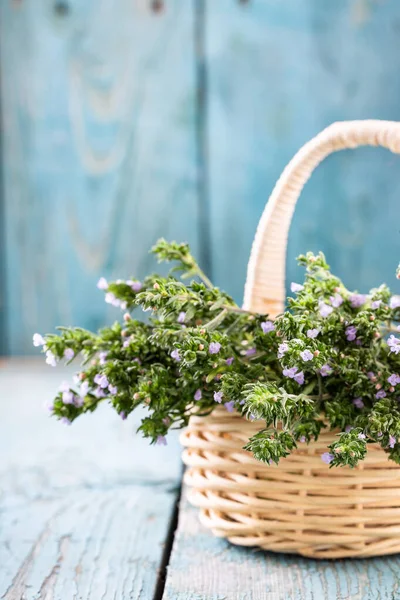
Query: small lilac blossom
252	417
336	300
64	387
325	370
282	348
49	406
102	283
327	457
103	358
361	436
111	299
161	440
380	394
51	359
376	304
324	309
394	344
348	428
358	403
214	347
267	326
230	406
296	287
371	375
198	394
113	389
306	355
181	317
302	439
218	397
289	372
392	441
394	379
251	352
68	397
166	421
99	393
299	378
65	421
312	333
69	354
122	414
123	305
229	361
394	302
126	343
38	340
175	355
351	333
135	285
79	401
101	380
357	300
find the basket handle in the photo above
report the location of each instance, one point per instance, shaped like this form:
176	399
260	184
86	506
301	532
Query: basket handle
265	283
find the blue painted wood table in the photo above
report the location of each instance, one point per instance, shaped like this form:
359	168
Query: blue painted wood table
90	512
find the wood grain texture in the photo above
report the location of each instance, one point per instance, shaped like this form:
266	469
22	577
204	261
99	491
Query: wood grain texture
278	73
99	147
203	567
85	510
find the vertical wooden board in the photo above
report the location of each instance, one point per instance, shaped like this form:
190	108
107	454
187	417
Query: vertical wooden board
99	150
203	567
278	73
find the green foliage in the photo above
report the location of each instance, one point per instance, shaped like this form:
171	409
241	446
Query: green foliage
326	362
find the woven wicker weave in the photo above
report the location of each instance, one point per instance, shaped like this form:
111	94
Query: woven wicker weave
300	506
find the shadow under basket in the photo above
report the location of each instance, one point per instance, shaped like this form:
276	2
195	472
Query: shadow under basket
300	506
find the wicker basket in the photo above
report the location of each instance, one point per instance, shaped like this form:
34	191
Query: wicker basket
300	506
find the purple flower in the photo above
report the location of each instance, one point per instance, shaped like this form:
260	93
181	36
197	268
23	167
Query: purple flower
135	285
49	406
336	300
181	317
312	333
370	375
214	347
68	397
38	340
64	387
393	343
102	283
101	380
394	379
348	428
306	355
392	441
127	343
394	302
289	372
282	348
230	406
52	361
65	421
113	389
79	401
296	287
327	457
99	393
351	333
175	355
69	354
166	421
229	361
325	370
161	440
267	326
376	304
380	394
111	299
358	403
251	352
302	439
361	436
122	414
357	300
299	378
198	394
324	309
218	397
102	358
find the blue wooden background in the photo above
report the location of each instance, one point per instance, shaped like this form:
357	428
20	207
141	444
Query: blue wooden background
121	124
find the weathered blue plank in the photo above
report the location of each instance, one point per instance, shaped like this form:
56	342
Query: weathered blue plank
278	73
203	567
99	145
84	510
